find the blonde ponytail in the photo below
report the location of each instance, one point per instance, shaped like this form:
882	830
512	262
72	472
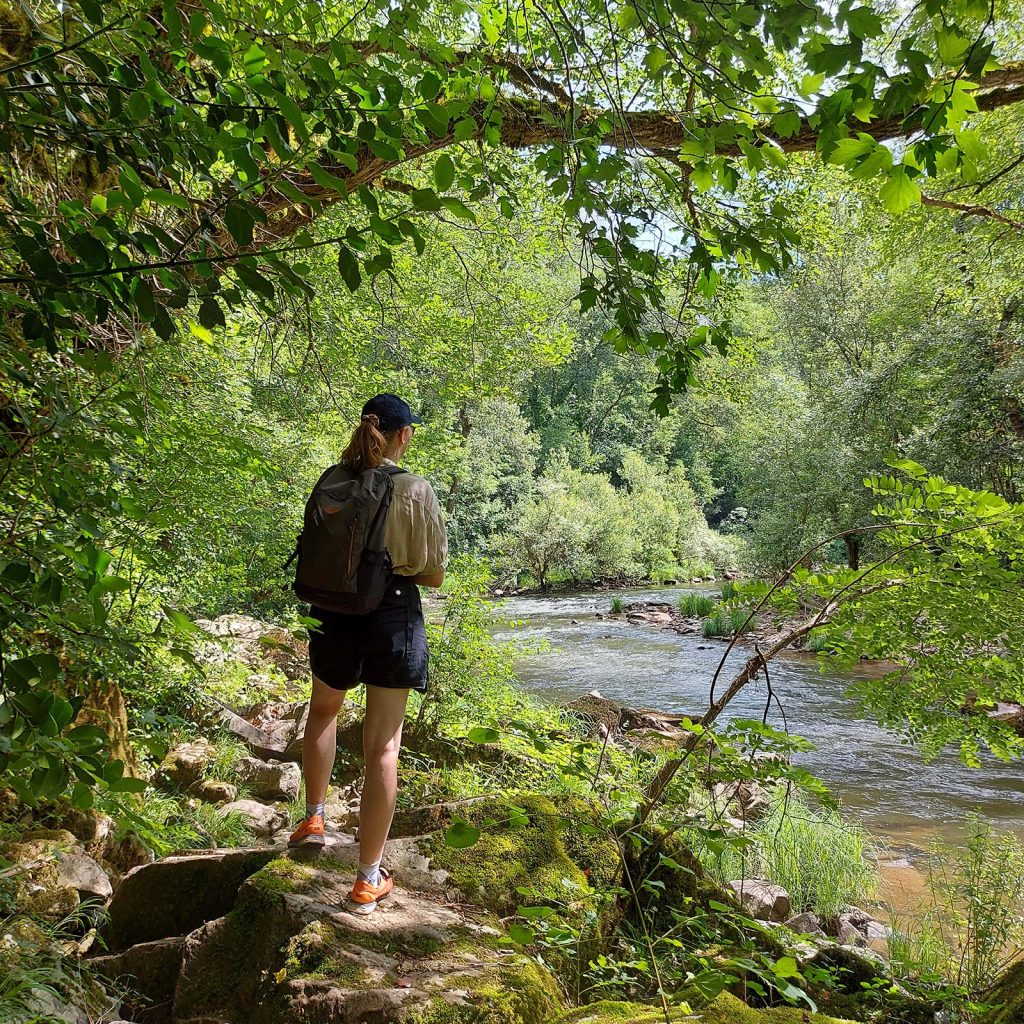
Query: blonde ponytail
368	445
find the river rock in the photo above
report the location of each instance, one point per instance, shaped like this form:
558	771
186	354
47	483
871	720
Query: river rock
185	763
847	935
82	873
271	781
752	799
807	923
213	791
763	900
262	819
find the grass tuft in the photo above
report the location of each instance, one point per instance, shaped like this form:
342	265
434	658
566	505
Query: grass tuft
822	861
695	605
716	625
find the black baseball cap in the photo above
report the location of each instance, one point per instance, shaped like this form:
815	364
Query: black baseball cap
392	412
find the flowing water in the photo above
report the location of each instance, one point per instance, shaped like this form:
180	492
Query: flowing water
879	779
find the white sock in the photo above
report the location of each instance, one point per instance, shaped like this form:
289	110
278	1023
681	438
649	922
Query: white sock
370	872
312	809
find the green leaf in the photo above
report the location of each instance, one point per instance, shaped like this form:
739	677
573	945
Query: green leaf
348	267
426	199
481	734
461	835
239	221
162	197
899	192
521	934
325	179
444	172
210	313
864	22
787	967
458	207
292	114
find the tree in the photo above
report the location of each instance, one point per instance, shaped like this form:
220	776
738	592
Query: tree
167	165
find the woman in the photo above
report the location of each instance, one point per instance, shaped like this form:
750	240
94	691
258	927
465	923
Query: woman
386	650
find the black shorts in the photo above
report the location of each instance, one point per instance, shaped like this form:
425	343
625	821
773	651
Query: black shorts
388	647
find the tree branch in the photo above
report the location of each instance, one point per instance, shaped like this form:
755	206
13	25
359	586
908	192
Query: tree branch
972	210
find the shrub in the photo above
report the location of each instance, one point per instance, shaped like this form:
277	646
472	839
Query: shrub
728	590
695	605
975	925
618	605
165	824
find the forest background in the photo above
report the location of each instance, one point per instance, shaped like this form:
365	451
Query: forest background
642	352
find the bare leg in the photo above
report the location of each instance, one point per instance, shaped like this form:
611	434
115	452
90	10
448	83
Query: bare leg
382	740
320	741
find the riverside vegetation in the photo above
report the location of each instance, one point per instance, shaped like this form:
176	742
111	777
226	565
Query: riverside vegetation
683	291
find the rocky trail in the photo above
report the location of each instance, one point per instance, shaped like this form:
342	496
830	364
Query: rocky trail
259	934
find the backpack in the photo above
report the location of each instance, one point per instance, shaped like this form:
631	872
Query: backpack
343	563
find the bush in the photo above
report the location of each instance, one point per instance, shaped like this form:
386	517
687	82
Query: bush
618	606
695	605
165	824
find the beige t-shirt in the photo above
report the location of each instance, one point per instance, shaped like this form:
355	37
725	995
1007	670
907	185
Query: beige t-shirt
415	534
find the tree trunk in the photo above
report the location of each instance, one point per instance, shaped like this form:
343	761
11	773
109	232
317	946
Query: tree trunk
104	706
852	551
465	429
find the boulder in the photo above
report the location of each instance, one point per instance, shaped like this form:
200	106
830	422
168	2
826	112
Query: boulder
724	1009
270	780
806	923
763	900
82	873
185	763
202	886
262	819
752	801
35	883
847	935
287	952
254	643
149	967
212	791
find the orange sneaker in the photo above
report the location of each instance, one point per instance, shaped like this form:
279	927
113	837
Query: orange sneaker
309	833
365	897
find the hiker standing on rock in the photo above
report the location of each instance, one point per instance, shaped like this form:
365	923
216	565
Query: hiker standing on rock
371	532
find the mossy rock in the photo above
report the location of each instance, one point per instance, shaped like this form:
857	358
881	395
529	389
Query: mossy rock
522	992
526	842
38	891
726	1009
288	951
1006	1000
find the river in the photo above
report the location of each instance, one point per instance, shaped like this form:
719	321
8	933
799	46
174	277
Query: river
880	780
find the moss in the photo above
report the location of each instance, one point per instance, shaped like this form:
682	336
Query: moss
404	944
316	953
263	890
726	1009
521	993
1006	1001
547	854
